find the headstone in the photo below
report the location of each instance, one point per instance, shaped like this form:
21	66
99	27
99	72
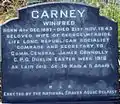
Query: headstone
59	52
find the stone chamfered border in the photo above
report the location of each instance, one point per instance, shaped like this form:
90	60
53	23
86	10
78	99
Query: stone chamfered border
47	3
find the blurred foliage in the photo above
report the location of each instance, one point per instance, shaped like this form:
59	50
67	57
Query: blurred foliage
8	8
